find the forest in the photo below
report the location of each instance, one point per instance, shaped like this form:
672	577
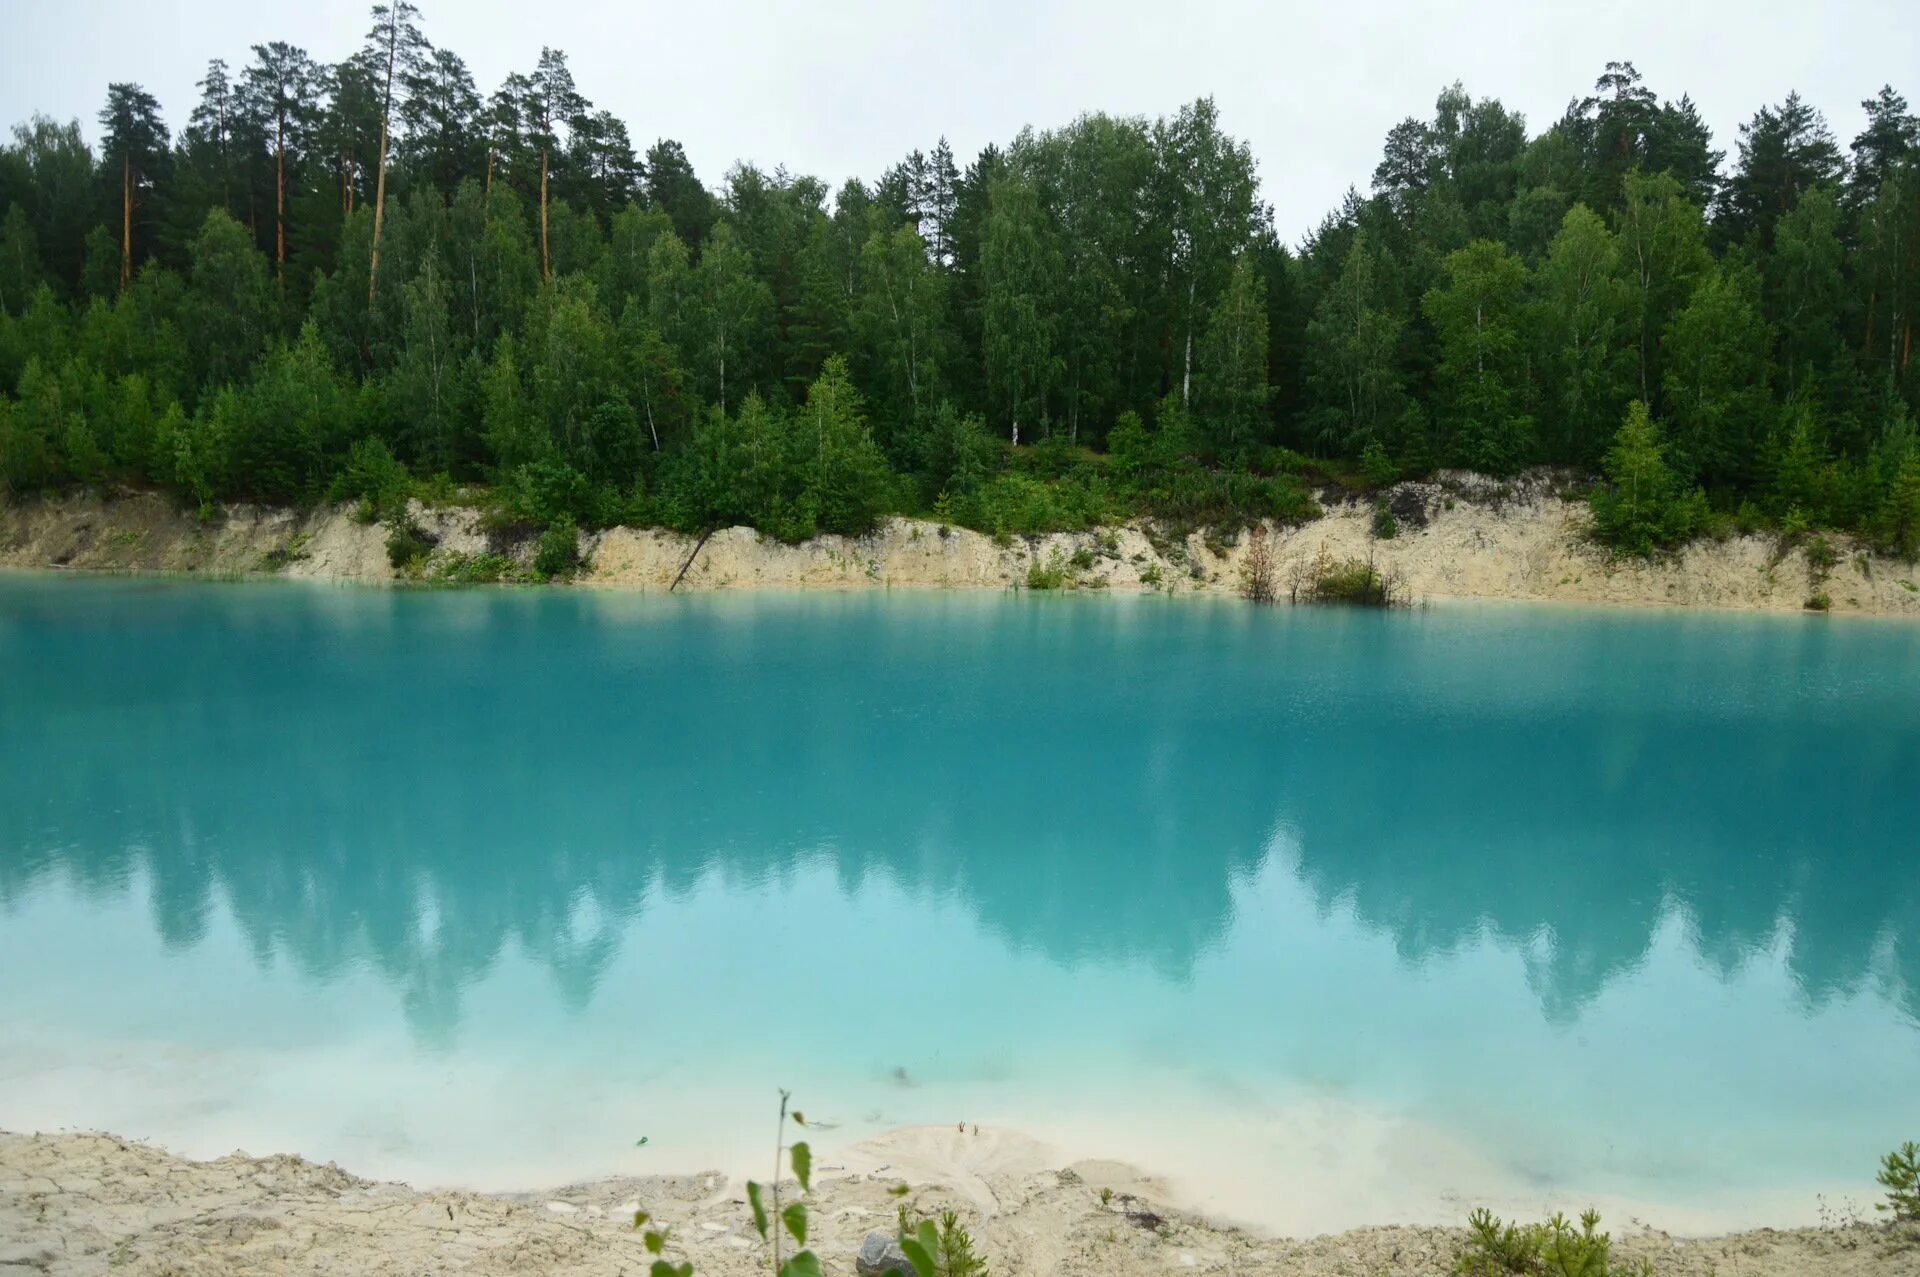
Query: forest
367	279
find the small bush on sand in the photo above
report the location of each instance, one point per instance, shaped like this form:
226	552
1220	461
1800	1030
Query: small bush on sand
1055	574
1553	1249
559	551
1377	467
1256	570
1324	579
476	569
372	475
407	545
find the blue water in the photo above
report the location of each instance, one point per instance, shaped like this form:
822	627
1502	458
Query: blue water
1333	916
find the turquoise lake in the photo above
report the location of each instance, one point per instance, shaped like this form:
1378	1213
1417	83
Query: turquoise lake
1332	917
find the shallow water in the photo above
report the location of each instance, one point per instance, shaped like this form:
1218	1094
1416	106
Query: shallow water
1334	917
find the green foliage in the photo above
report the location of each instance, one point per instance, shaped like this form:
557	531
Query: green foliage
1232	395
1641	509
1477	314
1097	323
1352	581
542	493
1897	526
558	552
1353	340
1553	1249
1357	582
1715	383
374	478
475	569
407	545
939	1248
1377	467
1385	526
1054	574
1257	583
775	1222
1582	313
1900	1176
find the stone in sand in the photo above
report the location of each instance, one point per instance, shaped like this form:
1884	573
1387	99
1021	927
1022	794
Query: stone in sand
880	1254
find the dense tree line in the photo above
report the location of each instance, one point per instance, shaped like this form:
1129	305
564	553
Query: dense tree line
336	267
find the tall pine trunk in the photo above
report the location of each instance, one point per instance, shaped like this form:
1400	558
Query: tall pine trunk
280	198
1186	373
546	266
126	219
380	181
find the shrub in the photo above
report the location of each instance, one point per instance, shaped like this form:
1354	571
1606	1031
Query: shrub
1021	505
543	493
1820	602
1354	581
437	490
476	569
559	551
1054	574
1187	498
1256	570
1900	1176
945	1250
1377	467
1897	526
1385	525
376	479
1552	1249
407	545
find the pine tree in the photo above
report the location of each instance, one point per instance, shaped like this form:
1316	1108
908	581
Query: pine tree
134	147
397	50
1641	510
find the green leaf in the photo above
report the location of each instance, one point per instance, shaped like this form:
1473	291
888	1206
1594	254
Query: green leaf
922	1257
798	1120
661	1268
640	1219
803	1165
805	1264
795	1218
759	1211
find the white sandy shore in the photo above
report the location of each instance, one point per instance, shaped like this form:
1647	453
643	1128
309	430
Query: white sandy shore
75	1204
1480	541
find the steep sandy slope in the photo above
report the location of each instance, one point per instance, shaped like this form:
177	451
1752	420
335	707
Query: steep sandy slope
1462	538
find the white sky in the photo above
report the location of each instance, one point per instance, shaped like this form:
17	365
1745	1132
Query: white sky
841	88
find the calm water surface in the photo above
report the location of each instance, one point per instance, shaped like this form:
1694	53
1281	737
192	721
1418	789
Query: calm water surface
1335	917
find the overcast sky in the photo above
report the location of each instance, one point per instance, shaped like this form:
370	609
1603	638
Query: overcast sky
841	88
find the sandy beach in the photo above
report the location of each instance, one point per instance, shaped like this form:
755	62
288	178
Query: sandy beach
1461	537
73	1204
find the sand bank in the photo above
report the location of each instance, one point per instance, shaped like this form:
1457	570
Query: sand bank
1461	538
81	1204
